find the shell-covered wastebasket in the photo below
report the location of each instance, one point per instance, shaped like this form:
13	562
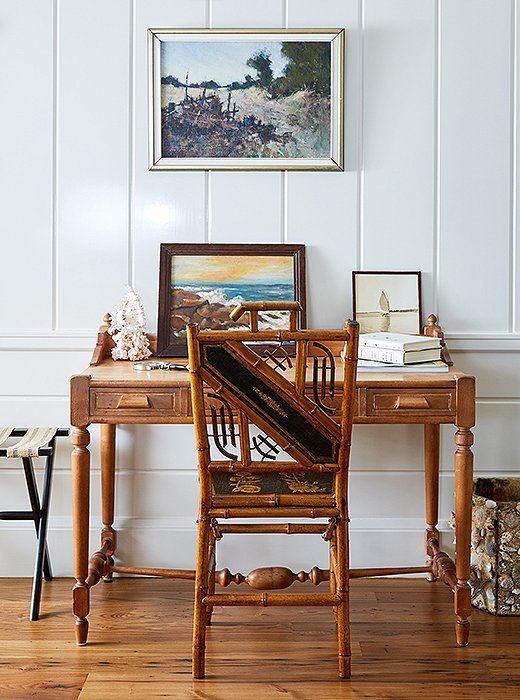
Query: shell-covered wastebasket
495	546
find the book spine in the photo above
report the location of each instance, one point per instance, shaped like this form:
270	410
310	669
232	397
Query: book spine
386	344
381	354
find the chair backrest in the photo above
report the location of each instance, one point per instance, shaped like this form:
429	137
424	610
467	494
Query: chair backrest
289	391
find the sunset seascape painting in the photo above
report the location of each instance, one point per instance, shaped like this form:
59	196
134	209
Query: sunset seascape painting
205	288
202	283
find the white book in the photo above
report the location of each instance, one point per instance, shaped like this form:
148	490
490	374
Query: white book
400	357
372	366
398	341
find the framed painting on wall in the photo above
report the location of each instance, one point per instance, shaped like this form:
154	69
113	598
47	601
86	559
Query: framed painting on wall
246	99
389	302
202	283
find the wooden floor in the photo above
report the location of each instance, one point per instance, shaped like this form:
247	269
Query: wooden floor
140	639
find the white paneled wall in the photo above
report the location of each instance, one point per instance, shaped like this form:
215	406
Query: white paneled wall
431	134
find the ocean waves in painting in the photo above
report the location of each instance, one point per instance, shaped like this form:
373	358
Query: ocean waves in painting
231	295
210	305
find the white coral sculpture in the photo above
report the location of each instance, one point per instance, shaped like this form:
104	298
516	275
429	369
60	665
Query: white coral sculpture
128	329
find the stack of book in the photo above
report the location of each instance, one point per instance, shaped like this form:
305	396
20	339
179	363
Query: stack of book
399	352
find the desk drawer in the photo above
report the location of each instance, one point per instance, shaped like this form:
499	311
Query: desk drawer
134	402
435	402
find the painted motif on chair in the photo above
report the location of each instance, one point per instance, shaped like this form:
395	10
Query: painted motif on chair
297	484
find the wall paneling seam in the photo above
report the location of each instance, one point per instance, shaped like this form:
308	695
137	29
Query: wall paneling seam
284	231
436	160
207	175
513	243
54	169
208	219
284	207
131	144
360	165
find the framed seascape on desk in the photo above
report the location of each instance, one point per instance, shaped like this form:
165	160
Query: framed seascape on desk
202	283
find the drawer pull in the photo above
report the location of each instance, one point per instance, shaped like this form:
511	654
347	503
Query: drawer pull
134	401
411	402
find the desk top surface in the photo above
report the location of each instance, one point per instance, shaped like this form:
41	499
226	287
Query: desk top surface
121	373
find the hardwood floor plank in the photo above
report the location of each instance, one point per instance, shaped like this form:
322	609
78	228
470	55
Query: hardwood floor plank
94	689
140	646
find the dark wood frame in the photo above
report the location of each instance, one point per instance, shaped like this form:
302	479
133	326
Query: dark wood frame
356	273
165	346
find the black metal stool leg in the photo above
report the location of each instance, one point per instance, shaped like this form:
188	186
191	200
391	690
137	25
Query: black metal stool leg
42	553
34	499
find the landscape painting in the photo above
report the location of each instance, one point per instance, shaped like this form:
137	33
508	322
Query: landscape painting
202	283
388	302
239	100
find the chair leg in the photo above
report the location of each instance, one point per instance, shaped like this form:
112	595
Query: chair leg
42	553
211	576
332	569
201	589
342	589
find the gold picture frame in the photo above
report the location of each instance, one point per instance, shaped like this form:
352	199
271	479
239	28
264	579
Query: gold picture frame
246	99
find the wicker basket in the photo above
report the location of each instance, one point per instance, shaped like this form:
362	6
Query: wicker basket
495	546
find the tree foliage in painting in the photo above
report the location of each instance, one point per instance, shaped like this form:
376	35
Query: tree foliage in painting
261	62
308	67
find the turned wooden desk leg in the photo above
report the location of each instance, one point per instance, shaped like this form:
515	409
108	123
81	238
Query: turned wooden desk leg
80	522
431	479
108	477
463	496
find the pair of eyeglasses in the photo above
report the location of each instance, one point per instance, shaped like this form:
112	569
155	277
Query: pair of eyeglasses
148	366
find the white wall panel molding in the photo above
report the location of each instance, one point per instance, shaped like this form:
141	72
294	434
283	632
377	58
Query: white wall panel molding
26	164
475	160
399	40
483	342
83	340
514	248
30	340
93	160
180	524
168	547
237	13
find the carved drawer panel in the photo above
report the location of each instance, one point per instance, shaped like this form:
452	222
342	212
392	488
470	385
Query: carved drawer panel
395	401
147	403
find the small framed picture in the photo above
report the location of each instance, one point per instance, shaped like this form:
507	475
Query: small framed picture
203	282
388	302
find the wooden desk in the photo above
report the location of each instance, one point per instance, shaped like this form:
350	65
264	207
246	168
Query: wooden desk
113	392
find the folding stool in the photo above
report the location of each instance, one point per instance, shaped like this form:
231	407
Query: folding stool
35	442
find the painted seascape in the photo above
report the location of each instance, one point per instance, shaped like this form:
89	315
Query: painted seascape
206	288
246	99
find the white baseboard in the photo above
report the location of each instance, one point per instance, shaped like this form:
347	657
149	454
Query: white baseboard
170	542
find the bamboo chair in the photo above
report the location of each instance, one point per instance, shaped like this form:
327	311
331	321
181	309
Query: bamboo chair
247	388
